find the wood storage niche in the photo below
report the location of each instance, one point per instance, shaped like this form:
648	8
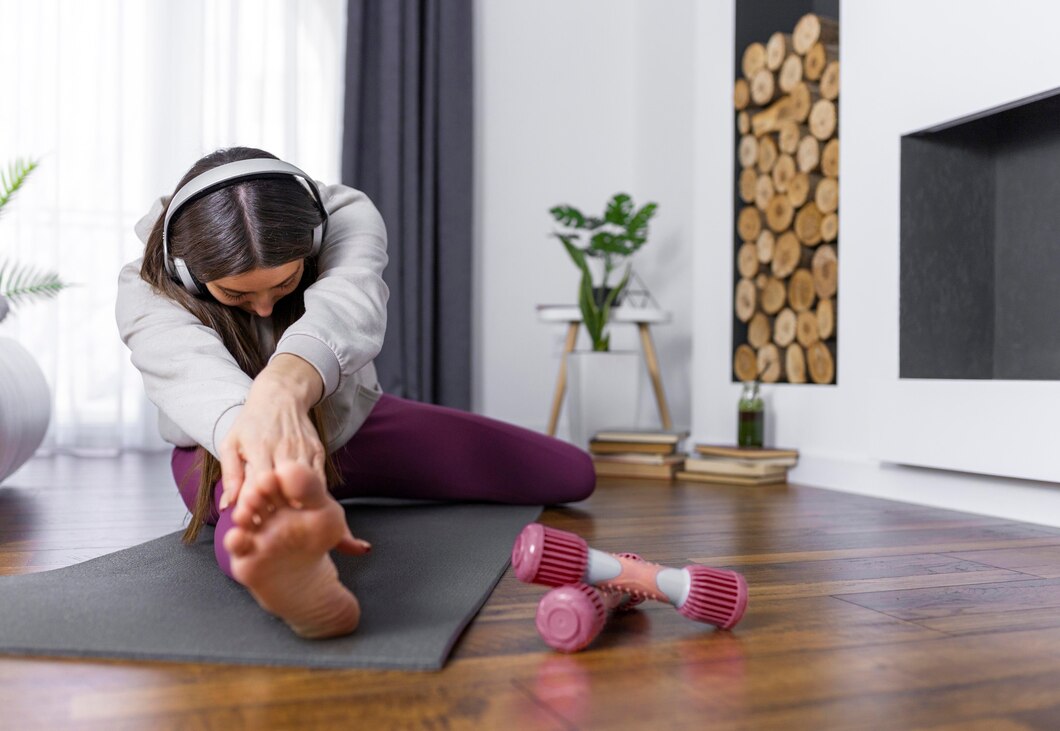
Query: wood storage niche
787	187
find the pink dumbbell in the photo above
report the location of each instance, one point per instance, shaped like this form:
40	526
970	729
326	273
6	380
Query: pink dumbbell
543	555
570	617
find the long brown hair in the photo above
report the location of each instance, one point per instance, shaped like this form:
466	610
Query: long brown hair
259	223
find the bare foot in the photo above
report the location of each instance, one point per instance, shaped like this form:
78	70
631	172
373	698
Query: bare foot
282	555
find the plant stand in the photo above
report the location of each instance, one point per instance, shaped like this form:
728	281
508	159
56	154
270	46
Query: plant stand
642	317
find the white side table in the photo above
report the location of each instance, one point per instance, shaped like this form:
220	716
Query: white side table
642	317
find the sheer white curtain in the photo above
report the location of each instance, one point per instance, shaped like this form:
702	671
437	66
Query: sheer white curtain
118	98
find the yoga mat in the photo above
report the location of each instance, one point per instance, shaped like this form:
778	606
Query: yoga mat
431	569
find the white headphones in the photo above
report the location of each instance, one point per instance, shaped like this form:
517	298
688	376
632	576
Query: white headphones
219	177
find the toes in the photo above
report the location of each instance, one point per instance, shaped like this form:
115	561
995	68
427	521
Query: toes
268	489
244	515
353	546
256	504
238	542
301	485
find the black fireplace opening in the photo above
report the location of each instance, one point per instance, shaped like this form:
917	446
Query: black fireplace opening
980	245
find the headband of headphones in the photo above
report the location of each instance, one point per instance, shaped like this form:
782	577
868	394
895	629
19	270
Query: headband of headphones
219	177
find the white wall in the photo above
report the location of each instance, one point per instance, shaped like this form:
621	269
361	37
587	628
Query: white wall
576	101
905	65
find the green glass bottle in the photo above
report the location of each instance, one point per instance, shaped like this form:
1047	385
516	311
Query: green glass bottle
752	422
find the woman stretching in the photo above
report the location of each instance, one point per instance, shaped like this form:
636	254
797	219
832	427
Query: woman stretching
253	317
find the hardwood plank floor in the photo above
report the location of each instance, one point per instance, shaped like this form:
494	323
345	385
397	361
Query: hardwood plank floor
864	614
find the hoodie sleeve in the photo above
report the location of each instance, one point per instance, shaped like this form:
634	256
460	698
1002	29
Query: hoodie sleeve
188	372
345	308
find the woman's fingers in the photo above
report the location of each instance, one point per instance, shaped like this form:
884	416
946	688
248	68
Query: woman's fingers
232	474
317	463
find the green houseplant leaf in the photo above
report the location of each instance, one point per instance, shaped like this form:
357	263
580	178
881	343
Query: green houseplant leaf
638	224
611	243
20	284
618	209
595	316
13	178
568	216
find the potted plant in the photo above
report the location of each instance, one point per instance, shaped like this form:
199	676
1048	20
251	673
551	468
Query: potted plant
25	402
604	384
610	240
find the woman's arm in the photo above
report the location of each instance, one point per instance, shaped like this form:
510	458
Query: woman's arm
345	308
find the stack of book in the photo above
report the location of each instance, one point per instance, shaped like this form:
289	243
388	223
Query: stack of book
738	465
628	453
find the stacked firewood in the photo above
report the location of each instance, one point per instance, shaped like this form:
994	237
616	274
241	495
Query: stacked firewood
786	114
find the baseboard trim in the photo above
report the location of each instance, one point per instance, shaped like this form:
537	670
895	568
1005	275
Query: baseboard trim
1027	501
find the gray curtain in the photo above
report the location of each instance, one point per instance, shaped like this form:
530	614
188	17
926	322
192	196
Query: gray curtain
407	143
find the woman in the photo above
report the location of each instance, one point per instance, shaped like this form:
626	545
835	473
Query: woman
253	317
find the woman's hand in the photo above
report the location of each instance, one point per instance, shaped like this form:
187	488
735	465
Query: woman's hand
273	426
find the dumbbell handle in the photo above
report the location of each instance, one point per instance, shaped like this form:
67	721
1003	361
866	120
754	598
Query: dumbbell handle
639	579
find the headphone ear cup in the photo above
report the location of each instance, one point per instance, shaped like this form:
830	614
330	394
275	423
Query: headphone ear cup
189	282
318	237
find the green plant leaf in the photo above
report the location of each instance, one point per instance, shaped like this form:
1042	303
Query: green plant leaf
618	209
21	284
577	255
592	222
13	178
639	222
609	243
568	216
605	311
591	314
635	242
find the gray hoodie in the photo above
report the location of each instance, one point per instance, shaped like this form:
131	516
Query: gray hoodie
195	382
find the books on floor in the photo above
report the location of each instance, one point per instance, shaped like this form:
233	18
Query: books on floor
661	466
625	441
637	453
747	454
716	463
775	479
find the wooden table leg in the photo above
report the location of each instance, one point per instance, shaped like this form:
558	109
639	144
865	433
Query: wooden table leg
561	381
653	371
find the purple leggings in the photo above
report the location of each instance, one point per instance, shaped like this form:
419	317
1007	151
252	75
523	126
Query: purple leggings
406	449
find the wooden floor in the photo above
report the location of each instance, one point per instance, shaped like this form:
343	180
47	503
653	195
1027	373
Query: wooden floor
864	614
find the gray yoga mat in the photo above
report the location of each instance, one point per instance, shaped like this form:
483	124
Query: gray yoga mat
431	568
